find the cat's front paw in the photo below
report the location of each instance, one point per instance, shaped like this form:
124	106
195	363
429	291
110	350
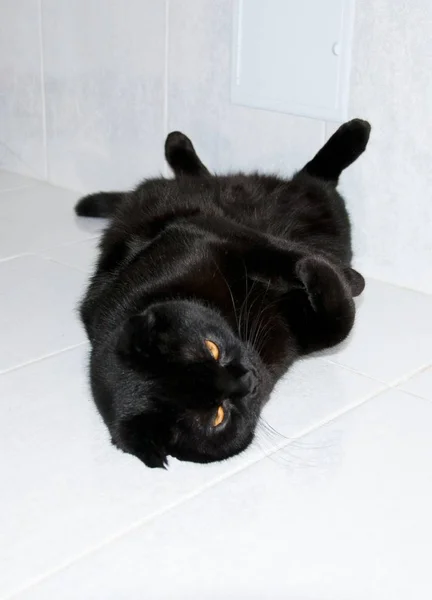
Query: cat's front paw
327	290
328	315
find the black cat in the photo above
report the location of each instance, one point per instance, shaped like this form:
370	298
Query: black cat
206	290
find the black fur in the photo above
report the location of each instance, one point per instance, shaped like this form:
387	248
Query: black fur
257	264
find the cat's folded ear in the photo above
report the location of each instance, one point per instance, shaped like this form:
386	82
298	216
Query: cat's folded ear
144	437
355	280
322	310
136	337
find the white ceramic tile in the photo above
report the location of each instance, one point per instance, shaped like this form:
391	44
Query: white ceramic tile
68	489
11	181
83	490
420	384
80	255
104	74
313	392
228	137
38	298
392	337
349	519
41	217
21	106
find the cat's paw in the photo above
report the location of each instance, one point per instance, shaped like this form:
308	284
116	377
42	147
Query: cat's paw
327	290
177	141
354	134
181	156
328	316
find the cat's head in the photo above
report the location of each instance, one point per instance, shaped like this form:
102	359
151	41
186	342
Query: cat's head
202	388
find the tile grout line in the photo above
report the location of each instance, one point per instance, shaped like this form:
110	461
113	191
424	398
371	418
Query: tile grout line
17	188
190	496
96	236
166	79
324	132
352	370
62	264
42	358
40	254
392	384
43	95
14	257
399	286
413	395
409	376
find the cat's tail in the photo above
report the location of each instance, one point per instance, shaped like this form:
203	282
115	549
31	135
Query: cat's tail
101	204
341	150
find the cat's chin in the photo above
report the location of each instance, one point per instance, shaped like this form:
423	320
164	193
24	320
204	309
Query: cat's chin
191	455
221	437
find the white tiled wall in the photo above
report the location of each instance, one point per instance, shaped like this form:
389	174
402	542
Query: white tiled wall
22	128
89	89
104	67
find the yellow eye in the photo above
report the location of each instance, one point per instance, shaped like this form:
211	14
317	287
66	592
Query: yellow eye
213	349
220	416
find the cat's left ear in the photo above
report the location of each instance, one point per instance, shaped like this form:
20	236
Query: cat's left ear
136	338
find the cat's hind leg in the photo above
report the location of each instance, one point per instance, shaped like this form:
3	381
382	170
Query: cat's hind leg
341	150
181	156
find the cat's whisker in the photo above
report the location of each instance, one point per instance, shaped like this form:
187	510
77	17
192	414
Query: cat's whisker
260	317
297	452
248	310
241	307
259	325
255	322
270	431
231	294
289	452
243	330
248	331
256	330
264	331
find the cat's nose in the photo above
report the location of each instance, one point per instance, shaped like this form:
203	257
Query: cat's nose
237	370
245	385
235	384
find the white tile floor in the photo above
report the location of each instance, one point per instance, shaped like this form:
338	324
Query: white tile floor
335	506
